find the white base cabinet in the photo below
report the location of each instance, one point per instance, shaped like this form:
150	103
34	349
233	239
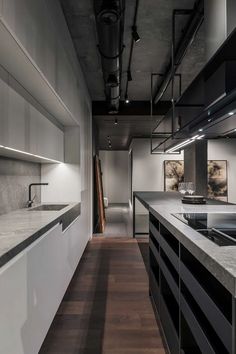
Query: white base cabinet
32	286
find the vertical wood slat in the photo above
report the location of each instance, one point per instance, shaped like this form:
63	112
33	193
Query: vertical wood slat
100	227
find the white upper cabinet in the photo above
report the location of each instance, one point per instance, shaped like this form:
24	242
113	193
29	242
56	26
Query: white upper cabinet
16	124
35	34
3	110
24	128
45	139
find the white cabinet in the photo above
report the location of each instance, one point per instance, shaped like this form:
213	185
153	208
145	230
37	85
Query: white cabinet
45	139
24	128
31	291
3	110
16	124
36	48
12	118
32	286
74	245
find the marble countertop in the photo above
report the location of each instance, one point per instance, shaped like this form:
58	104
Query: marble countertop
220	261
18	229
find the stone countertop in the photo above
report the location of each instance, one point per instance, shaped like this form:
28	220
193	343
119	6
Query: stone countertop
220	261
20	228
165	198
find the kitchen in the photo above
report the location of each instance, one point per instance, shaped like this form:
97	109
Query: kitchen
117	176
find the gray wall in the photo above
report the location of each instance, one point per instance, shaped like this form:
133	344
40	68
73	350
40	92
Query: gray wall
15	176
114	166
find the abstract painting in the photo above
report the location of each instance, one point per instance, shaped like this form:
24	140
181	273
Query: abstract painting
173	174
217	180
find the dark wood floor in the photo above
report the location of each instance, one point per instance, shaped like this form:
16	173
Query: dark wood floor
106	309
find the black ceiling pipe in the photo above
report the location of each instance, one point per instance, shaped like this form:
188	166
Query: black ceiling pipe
110	27
189	33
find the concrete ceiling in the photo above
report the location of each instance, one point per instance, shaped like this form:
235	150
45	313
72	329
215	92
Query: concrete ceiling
151	54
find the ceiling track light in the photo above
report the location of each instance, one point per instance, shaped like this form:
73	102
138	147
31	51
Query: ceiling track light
135	34
184	143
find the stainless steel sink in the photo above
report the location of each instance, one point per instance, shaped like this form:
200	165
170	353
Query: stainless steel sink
49	207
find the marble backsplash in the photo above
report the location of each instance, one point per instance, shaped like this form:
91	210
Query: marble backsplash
15	177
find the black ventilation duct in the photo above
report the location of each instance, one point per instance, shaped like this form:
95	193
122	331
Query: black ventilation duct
110	27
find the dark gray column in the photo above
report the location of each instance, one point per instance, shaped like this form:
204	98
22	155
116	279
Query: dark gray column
195	166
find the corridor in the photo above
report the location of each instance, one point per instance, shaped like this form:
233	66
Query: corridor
107	309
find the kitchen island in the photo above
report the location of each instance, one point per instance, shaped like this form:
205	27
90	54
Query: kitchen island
147	199
192	279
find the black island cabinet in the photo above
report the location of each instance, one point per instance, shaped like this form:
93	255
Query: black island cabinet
196	312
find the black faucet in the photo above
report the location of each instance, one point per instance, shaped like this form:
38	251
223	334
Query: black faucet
30	201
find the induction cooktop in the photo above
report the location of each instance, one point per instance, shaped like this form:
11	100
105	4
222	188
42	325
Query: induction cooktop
217	227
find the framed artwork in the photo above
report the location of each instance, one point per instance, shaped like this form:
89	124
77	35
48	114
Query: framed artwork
217	180
173	174
217	177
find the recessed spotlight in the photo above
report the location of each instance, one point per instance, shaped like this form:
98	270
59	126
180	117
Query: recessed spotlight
126	99
209	120
116	121
231	113
200	130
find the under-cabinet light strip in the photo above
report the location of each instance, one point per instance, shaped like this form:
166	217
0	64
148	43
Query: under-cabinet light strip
29	154
184	143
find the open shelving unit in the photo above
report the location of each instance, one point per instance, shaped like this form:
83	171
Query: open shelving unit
196	312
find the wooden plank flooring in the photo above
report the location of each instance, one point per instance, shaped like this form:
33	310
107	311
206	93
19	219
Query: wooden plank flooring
106	309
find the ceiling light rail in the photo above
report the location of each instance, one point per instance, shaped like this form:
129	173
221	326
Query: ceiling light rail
196	17
177	54
180	146
154	134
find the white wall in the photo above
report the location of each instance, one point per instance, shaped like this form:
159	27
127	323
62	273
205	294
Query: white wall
225	149
148	170
115	175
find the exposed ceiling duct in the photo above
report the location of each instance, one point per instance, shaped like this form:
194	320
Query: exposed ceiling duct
110	27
